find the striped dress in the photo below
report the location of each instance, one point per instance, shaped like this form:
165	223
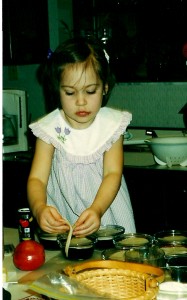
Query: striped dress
77	166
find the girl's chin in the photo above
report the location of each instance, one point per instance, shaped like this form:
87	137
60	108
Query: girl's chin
82	123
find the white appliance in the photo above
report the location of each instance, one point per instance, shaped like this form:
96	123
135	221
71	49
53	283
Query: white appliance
15	125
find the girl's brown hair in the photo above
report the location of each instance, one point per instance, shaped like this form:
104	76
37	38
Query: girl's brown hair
76	50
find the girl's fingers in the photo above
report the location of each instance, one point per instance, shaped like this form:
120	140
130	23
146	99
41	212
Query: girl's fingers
85	229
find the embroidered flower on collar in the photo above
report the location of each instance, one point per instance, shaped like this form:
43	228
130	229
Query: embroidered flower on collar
61	137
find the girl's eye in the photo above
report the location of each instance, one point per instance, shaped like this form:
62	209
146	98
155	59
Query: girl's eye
69	93
91	92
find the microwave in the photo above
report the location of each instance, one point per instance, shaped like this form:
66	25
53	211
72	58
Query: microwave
15	126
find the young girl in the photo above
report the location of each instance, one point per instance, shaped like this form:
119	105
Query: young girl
76	173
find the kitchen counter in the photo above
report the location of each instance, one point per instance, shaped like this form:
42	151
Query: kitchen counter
17	281
141	156
156	167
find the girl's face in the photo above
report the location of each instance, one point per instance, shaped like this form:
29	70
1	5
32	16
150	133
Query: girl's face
81	94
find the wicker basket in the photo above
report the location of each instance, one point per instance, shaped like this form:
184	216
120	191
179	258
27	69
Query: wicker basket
118	280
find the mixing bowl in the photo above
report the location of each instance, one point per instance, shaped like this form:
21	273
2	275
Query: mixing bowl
80	247
169	150
178	267
113	254
133	240
107	234
171	237
48	240
151	255
173	242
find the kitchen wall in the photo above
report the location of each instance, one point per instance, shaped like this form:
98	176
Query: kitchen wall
24	77
152	104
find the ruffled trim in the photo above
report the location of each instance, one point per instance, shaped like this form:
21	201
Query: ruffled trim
86	159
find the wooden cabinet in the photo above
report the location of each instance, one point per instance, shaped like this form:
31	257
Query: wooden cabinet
25	31
159	198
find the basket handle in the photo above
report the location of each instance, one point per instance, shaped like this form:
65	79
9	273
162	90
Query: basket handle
109	264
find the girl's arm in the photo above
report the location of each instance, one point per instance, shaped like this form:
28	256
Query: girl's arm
112	173
89	220
47	217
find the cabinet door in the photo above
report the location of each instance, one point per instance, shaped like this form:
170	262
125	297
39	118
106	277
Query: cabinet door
147	200
25	31
15	175
159	198
176	200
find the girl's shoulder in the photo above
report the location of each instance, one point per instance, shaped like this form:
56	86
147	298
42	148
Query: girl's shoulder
49	127
48	119
114	115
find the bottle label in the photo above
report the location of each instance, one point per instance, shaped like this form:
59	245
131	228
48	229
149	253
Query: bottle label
25	225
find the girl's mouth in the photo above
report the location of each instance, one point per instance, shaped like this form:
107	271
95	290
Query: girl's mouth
82	113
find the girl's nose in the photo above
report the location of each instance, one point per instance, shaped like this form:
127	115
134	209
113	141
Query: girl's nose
81	99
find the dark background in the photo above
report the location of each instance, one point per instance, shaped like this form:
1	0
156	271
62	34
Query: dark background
25	31
143	37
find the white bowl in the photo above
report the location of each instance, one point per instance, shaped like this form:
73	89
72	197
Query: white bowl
169	150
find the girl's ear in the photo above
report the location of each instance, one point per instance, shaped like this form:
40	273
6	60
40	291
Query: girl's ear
105	97
105	90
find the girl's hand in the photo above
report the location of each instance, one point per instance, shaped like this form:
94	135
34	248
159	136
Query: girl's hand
88	222
50	220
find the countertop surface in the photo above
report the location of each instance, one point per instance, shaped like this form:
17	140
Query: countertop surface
17	281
